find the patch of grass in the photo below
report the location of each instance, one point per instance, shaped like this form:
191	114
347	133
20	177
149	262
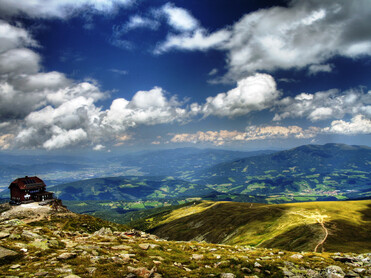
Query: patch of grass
291	226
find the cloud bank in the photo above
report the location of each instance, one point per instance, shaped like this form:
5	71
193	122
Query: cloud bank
58	8
325	105
48	110
303	35
252	133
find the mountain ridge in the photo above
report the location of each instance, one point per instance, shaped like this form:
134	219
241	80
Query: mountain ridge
293	226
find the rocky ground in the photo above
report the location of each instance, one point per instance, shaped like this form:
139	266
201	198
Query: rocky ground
43	242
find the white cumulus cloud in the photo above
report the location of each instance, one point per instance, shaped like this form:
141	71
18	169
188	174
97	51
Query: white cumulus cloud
325	105
48	110
253	93
179	18
199	39
62	138
304	34
99	147
359	124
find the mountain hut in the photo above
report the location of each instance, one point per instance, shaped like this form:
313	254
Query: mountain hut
29	189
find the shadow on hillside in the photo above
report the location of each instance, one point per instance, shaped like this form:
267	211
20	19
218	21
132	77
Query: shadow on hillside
344	236
215	224
366	214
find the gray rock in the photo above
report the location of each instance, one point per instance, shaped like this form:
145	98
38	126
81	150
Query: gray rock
288	273
197	257
103	232
344	259
53	243
31	235
334	271
4	235
256	264
6	253
14	236
141	271
144	246
359	270
351	274
66	256
63	270
227	275
296	256
41	273
121	247
15	266
311	273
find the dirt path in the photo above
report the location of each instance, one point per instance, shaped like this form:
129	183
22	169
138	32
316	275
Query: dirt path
320	221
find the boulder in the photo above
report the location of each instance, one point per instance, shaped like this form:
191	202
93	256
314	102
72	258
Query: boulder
345	259
66	256
227	275
144	246
6	253
103	232
256	264
296	256
41	273
121	247
359	270
4	235
30	235
197	257
141	271
334	271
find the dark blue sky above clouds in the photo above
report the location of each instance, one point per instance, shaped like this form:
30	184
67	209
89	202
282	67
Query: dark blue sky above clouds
125	74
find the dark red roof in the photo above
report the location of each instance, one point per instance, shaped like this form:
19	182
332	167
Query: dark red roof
28	183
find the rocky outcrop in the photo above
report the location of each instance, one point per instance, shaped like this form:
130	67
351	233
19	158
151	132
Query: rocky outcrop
56	248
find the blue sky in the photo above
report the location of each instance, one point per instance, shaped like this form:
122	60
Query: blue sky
114	75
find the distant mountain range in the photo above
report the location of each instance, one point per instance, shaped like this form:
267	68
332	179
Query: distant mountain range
58	169
181	162
336	170
129	189
306	173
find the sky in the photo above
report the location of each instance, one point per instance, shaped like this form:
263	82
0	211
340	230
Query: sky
113	75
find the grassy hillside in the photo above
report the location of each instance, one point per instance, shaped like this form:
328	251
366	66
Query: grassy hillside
306	173
294	226
63	244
